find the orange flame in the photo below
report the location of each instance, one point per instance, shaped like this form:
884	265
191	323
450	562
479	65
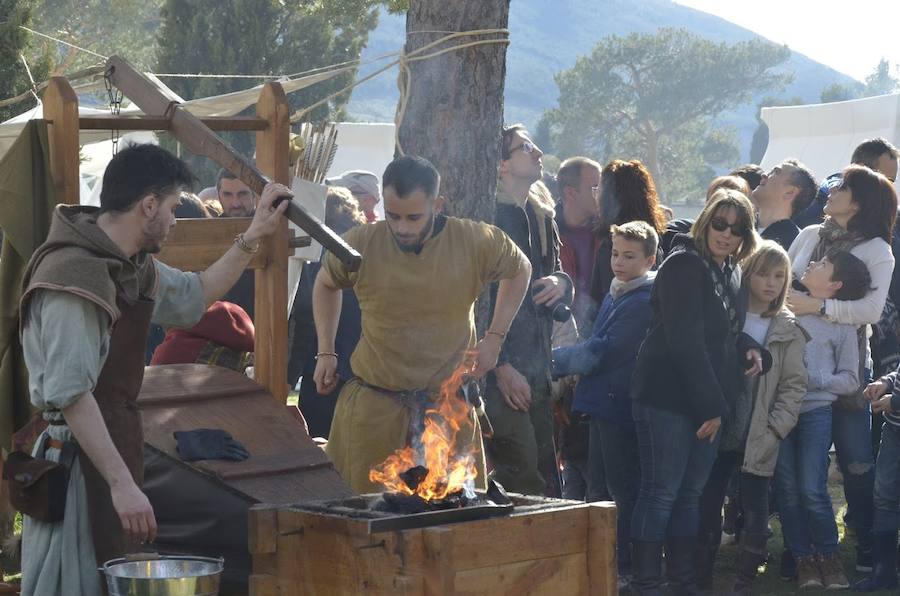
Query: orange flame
448	470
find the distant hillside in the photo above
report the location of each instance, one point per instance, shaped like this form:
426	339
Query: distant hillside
547	37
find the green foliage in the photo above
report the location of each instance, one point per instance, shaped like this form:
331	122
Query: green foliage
881	82
654	97
14	43
837	92
123	27
262	37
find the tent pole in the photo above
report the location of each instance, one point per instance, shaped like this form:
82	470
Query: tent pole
270	358
61	113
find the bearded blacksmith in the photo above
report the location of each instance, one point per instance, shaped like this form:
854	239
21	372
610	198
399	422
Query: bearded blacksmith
91	291
421	274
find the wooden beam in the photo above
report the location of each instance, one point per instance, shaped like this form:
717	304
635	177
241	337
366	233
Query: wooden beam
61	114
601	554
156	99
195	244
237	123
270	362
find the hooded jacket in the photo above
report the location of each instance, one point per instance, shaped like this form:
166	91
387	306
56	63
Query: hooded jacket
606	361
78	257
779	393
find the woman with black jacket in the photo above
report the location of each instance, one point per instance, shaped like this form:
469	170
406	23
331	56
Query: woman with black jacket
688	372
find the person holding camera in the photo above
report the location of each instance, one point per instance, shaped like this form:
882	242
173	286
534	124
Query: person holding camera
518	390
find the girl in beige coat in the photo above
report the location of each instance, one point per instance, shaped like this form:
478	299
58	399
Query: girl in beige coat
760	421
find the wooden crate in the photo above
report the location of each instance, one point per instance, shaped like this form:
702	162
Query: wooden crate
553	547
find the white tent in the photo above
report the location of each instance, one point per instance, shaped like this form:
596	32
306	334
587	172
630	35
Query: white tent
823	136
228	104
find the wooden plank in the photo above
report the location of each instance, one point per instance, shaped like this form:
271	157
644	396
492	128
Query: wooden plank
264	585
263	524
169	384
261	466
272	156
263	426
61	113
439	564
552	576
195	244
236	123
538	535
601	555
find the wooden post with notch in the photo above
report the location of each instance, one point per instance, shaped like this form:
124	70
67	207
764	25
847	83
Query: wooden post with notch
271	282
61	112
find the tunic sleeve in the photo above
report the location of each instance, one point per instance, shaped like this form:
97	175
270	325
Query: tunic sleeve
339	274
64	343
498	256
179	302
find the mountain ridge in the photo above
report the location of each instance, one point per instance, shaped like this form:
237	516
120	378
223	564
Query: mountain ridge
543	41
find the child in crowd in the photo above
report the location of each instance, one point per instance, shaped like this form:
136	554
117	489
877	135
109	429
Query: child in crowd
762	417
885	397
801	475
605	363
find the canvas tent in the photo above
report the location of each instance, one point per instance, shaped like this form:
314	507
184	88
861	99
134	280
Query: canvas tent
823	136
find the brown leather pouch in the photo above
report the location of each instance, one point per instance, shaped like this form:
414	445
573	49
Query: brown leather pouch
37	487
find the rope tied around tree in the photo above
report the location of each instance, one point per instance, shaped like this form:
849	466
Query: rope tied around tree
404	77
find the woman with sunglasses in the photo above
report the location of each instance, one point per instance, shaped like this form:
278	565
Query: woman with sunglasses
688	372
626	193
860	214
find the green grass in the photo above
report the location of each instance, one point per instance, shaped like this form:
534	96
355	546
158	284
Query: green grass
769	583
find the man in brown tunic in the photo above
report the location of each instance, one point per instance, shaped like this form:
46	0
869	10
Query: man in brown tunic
91	291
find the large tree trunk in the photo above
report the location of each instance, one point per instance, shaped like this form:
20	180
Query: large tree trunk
455	109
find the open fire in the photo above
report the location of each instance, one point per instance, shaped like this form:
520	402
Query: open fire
433	472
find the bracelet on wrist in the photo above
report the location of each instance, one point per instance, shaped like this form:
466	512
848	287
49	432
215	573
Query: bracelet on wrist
246	246
334	354
500	334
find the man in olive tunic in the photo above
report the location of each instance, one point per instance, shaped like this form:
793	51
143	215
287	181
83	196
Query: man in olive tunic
91	290
420	276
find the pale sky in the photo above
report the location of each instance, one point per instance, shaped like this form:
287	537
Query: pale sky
850	37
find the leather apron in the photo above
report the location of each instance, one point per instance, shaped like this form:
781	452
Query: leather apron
116	393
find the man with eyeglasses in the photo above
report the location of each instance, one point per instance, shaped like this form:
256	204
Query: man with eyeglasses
518	390
784	192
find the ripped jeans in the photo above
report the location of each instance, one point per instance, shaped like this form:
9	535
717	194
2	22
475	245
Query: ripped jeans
851	432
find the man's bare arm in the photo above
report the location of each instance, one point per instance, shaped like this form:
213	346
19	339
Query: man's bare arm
134	509
510	293
327	302
224	273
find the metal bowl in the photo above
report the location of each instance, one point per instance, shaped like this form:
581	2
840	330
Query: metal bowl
161	575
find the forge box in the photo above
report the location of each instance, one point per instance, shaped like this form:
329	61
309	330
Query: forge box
538	546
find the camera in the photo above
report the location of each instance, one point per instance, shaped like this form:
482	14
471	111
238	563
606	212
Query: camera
557	311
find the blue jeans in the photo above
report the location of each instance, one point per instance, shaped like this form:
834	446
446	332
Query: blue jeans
852	435
674	468
617	446
801	486
575	479
887	480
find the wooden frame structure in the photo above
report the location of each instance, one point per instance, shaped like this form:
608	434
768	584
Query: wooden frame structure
195	244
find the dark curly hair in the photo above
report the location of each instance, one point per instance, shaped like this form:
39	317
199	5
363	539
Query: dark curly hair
627	193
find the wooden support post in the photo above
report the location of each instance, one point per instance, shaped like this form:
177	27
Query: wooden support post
271	282
61	110
601	555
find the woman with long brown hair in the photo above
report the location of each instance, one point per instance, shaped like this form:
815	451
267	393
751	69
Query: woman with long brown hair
627	193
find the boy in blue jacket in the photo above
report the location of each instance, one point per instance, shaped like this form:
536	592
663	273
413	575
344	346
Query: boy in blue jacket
605	362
